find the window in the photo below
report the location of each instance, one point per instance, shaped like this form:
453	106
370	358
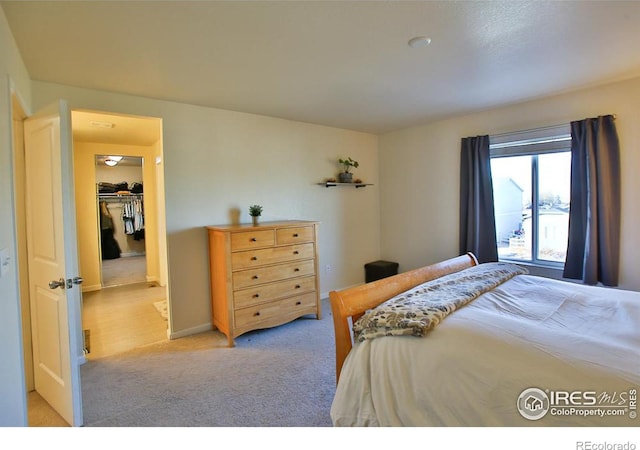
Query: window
531	183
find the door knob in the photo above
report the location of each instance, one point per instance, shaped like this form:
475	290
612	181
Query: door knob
57	284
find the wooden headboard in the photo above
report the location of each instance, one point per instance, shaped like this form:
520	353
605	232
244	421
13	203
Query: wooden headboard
348	305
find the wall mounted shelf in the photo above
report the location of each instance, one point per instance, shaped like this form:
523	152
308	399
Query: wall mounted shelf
332	184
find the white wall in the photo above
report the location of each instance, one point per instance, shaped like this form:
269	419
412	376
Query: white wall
217	160
420	173
118	174
13	73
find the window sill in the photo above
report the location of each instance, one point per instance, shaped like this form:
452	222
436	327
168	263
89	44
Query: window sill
548	271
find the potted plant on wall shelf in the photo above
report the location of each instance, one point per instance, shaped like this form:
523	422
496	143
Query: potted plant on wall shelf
255	211
346	176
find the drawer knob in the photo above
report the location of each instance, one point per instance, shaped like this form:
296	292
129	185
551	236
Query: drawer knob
296	252
296	270
257	313
255	277
254	258
298	303
295	234
256	295
297	286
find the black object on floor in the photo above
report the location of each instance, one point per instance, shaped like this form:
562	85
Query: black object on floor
380	269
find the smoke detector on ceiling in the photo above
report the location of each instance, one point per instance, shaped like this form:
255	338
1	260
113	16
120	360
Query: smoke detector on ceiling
419	41
99	124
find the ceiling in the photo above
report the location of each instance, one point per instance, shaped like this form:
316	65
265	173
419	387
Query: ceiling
119	129
337	63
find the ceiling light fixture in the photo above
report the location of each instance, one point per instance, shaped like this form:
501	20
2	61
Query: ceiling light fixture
110	162
419	41
116	158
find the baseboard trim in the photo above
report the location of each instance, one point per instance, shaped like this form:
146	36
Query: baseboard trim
91	288
189	331
207	326
325	295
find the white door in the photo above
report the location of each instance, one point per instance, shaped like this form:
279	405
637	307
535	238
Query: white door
53	261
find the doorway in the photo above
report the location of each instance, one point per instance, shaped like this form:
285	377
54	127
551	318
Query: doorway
138	136
121	243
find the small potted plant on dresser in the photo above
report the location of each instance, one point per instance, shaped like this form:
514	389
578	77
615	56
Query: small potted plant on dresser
347	163
255	211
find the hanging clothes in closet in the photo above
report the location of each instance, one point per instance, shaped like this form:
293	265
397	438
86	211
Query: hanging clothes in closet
133	217
110	248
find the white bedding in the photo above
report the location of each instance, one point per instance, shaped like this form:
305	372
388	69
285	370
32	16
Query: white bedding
471	369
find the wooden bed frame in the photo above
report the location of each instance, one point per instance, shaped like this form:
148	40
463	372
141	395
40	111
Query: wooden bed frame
348	305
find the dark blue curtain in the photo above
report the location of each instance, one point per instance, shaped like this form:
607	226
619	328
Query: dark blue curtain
477	219
593	249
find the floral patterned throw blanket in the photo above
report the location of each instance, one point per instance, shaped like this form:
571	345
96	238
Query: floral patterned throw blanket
421	308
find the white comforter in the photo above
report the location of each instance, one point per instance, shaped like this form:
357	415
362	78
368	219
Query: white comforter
470	370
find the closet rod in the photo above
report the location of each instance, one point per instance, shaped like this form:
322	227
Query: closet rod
113	198
133	194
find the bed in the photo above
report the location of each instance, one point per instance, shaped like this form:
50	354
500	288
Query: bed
504	348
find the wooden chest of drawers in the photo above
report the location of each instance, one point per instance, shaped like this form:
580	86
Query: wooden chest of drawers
262	276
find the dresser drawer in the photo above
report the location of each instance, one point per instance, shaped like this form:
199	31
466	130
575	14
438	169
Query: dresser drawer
261	275
268	292
252	239
255	258
295	235
277	311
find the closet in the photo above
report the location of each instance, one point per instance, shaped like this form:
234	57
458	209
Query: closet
120	208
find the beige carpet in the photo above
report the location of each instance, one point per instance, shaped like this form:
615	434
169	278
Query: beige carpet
41	414
121	271
279	377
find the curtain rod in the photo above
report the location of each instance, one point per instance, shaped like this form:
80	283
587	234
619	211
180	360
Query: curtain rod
602	115
530	131
546	127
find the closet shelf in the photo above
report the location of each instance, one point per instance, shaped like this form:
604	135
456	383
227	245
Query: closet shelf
116	195
112	198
